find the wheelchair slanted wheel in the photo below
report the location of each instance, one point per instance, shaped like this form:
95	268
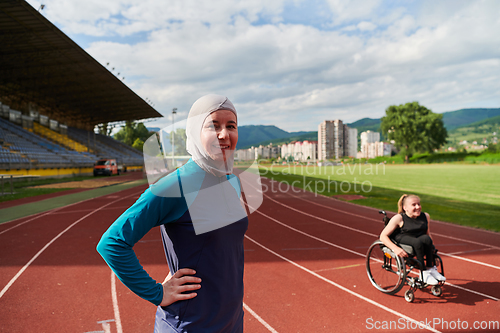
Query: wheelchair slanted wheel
409	296
385	270
436	290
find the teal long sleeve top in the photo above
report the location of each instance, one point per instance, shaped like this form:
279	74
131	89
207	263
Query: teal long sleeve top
162	203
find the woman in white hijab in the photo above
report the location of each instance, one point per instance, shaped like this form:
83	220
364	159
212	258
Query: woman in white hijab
202	225
210	147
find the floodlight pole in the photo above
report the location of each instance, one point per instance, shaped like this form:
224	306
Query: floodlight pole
174	111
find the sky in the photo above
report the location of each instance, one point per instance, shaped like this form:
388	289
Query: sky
293	63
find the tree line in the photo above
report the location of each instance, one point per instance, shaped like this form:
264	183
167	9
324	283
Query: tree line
135	134
413	128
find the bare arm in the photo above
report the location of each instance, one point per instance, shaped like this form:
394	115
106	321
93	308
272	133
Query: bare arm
395	222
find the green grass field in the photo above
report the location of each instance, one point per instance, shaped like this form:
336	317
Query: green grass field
459	193
24	189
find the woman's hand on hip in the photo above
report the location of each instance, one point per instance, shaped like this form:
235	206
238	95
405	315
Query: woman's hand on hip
175	286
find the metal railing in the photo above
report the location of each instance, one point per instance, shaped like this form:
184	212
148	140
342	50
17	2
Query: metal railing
10	178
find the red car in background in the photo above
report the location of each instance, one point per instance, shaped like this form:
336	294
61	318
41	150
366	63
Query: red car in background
106	166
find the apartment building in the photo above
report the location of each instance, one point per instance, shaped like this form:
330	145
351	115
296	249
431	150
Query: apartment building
305	151
366	138
253	153
335	140
352	141
371	146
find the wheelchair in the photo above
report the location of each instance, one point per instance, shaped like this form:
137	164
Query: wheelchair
389	273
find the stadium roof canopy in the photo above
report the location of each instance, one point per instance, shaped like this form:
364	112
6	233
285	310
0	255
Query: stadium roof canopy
40	65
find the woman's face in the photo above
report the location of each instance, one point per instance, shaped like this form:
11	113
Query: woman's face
219	134
412	207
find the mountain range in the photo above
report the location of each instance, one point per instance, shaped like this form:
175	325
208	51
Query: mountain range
255	135
455	121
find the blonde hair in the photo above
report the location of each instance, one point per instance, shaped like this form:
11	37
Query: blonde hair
402	200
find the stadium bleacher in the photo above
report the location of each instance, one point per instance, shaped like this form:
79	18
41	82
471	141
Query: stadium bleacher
23	98
21	148
107	147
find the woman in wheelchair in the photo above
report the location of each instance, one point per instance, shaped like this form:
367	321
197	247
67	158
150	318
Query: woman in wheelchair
411	226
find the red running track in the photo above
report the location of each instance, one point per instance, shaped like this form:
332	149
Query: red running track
305	272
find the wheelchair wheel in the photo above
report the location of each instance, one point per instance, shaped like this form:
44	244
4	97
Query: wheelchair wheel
439	264
409	296
386	271
437	291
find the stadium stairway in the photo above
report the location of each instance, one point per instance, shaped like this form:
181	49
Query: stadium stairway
58	138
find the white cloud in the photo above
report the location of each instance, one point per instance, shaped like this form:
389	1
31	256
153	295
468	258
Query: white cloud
366	26
373	54
125	17
345	11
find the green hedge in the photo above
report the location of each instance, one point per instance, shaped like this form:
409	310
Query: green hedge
470	157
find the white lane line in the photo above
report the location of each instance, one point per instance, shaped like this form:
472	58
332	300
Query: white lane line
305	248
262	321
470	251
32	219
36	216
335	268
469	260
458	226
374	235
467	241
11	282
106	326
472	291
379	221
448	283
383	307
375	209
340	247
116	310
86	210
311	236
322	219
351	251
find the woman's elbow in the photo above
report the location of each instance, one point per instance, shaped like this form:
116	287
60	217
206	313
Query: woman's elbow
103	247
100	247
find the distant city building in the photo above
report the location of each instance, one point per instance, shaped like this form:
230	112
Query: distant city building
253	153
245	154
267	152
374	149
336	140
300	151
352	142
368	137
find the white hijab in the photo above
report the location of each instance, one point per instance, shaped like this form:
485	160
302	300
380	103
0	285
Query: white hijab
200	110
